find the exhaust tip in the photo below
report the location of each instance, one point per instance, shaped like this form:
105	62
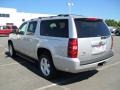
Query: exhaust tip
101	64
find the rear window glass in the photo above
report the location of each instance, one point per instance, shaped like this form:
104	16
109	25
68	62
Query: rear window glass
91	28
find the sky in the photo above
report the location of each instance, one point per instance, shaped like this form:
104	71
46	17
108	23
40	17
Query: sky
106	9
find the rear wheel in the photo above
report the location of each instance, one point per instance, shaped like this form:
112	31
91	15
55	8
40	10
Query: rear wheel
46	66
11	50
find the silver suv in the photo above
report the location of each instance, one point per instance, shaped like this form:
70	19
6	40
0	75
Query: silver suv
65	42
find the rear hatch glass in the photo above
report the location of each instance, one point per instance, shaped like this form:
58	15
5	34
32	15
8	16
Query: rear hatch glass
91	28
94	41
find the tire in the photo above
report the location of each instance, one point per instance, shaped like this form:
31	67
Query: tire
11	50
46	66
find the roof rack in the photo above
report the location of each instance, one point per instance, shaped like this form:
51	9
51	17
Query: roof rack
38	18
33	18
65	15
46	17
41	17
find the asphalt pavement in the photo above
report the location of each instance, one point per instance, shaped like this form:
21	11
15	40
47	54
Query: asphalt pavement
20	74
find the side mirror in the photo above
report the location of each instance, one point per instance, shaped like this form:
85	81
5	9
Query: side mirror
20	32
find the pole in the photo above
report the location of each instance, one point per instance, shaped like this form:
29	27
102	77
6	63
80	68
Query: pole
70	4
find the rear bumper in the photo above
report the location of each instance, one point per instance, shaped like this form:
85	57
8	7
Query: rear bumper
97	58
73	64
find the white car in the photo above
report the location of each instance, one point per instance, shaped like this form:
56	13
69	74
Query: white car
112	29
68	43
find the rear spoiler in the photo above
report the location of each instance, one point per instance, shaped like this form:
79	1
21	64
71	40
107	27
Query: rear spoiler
88	19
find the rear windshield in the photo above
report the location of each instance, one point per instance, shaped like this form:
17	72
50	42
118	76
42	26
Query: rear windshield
91	28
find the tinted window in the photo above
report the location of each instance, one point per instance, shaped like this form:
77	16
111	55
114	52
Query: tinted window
54	28
1	27
91	28
4	27
4	15
8	27
14	27
32	26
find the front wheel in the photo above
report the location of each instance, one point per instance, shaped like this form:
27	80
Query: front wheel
11	50
46	66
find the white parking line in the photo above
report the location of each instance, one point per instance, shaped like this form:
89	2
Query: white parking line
45	87
52	85
11	64
108	66
57	84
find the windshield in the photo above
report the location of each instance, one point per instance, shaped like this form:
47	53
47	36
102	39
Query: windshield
91	28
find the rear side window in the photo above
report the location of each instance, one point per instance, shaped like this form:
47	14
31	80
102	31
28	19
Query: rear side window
91	28
54	28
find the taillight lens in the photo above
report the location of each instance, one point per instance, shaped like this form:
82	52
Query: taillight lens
72	48
111	42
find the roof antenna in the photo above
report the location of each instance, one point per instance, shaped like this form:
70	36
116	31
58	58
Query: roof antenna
70	4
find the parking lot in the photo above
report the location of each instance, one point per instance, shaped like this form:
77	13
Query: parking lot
20	74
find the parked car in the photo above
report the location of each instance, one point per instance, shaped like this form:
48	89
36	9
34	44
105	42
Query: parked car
112	29
68	43
117	32
6	30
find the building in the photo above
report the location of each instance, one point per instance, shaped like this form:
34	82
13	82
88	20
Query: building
11	16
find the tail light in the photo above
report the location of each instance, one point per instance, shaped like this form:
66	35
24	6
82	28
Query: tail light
72	48
111	42
91	19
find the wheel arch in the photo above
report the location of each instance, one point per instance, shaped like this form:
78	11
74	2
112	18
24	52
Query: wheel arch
43	50
40	51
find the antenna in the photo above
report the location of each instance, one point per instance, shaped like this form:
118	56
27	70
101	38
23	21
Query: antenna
70	4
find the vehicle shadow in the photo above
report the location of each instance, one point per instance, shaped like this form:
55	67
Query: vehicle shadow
62	78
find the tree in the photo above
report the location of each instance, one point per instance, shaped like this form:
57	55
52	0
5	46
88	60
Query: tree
119	24
111	22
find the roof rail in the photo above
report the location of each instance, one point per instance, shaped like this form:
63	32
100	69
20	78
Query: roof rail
41	17
65	15
52	16
33	18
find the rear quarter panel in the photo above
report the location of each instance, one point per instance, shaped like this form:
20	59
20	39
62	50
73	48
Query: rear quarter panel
57	46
